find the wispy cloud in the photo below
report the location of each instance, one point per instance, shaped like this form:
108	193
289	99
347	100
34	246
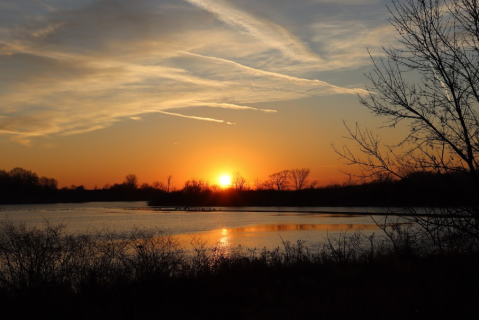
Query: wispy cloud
346	43
268	32
72	67
46	30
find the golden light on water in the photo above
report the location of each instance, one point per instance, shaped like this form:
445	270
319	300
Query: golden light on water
224	240
225	181
270	235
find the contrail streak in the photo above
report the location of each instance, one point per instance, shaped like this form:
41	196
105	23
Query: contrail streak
299	81
190	117
228	106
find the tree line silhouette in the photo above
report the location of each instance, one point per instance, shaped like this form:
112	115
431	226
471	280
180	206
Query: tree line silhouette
284	188
20	186
416	189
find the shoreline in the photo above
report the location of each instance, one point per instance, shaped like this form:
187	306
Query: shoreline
297	213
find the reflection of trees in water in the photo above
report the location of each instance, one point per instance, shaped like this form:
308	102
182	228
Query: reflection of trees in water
295	227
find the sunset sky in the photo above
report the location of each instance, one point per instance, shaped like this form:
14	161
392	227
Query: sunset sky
91	90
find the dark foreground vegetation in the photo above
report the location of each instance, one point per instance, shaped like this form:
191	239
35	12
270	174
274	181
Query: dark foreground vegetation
46	273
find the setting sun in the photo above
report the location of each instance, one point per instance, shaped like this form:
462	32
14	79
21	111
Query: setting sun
225	180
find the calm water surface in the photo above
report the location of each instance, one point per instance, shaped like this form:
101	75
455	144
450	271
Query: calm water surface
250	227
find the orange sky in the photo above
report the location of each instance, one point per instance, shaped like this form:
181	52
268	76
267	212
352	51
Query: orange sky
91	91
296	136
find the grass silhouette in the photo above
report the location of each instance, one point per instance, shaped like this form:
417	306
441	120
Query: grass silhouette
145	273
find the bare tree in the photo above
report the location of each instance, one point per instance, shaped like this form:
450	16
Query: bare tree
158	185
24	177
430	83
313	184
49	183
439	41
258	185
280	179
299	177
169	182
268	185
131	181
195	186
145	186
238	181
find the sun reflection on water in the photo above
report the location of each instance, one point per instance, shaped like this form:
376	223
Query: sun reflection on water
224	241
268	234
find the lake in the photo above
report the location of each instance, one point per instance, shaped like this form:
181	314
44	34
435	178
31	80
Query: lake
251	227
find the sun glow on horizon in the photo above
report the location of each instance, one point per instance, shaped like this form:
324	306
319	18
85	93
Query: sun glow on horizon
225	180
